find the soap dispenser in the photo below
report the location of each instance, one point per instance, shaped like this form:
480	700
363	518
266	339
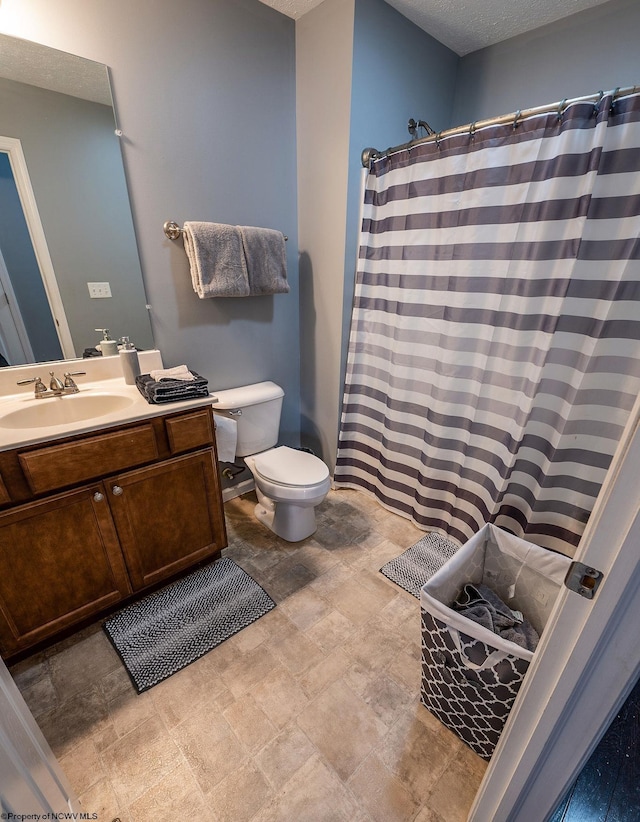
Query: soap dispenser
107	346
130	362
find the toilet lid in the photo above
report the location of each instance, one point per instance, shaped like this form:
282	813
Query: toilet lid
287	466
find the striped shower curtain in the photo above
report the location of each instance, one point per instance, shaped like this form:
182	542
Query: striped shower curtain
494	353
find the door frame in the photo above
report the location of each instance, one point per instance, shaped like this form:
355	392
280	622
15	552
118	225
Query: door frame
13	147
31	781
586	664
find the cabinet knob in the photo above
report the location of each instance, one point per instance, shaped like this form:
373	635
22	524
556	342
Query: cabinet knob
98	497
117	491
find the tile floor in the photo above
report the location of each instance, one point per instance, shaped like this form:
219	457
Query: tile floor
311	714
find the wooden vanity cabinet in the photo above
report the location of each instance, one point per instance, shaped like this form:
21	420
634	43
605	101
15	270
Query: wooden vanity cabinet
69	553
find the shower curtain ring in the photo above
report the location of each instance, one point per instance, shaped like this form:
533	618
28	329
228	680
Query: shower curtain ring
472	131
613	99
516	118
561	108
438	139
596	105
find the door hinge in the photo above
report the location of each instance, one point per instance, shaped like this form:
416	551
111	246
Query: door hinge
583	579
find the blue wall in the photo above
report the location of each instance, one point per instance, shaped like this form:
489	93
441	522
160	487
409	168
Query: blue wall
205	96
592	50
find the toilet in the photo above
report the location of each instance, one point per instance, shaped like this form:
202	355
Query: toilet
289	483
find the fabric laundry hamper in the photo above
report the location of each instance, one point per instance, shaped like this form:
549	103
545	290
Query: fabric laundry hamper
470	675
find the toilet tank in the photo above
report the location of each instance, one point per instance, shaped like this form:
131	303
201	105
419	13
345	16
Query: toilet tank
256	409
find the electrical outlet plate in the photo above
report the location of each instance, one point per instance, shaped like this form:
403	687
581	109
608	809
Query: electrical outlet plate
99	291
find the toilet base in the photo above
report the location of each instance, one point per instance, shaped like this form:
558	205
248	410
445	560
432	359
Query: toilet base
289	522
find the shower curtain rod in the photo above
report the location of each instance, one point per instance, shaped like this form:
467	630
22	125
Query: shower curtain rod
371	154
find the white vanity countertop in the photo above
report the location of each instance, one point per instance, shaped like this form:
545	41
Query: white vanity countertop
138	409
103	377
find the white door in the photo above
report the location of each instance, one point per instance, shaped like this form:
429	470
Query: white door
32	786
586	665
14	340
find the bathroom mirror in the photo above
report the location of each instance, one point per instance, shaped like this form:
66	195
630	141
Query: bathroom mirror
68	255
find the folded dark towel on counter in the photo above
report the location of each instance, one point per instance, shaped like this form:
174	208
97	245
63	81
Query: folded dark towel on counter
481	604
168	390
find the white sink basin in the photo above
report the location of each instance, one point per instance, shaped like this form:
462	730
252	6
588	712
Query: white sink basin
64	410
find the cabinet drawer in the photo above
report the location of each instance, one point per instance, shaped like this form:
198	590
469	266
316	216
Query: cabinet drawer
189	431
68	463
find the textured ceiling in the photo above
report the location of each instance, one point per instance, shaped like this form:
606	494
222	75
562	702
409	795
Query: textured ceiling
467	25
462	25
31	63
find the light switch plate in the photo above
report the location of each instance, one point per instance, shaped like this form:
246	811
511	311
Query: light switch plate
98	291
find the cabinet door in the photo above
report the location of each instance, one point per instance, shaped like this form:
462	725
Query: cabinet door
59	563
168	516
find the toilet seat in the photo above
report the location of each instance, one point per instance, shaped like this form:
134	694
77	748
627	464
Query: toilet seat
290	467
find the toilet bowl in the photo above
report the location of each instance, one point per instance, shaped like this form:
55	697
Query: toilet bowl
289	483
289	486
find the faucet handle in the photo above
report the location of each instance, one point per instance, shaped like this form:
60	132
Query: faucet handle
39	387
69	382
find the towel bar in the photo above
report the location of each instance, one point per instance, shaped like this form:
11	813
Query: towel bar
172	230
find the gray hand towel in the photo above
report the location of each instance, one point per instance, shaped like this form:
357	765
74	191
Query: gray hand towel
481	604
266	260
216	258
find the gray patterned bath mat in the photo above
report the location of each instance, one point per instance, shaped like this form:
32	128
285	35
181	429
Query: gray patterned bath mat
419	563
169	629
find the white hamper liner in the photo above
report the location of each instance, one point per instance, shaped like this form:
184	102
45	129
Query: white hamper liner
470	675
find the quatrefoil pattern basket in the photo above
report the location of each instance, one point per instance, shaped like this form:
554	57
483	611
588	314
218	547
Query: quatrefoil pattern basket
471	676
474	704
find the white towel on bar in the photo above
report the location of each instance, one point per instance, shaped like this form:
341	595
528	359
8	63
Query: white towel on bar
216	257
266	259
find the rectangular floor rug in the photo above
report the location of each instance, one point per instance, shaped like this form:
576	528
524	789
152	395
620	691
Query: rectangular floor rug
169	629
419	563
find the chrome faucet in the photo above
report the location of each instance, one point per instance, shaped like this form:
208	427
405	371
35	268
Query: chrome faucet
56	386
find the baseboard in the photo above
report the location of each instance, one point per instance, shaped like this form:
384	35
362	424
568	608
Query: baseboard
233	491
